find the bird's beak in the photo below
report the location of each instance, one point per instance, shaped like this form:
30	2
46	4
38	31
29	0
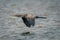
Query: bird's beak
40	17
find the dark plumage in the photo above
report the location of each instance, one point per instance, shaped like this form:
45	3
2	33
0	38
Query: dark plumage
28	19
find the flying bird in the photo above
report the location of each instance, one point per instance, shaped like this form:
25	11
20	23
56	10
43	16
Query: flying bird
28	19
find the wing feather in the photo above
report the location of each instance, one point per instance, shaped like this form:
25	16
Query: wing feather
26	22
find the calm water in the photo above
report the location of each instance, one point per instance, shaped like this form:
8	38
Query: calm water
45	29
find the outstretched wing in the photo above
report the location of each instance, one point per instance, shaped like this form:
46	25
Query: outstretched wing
26	22
18	15
29	22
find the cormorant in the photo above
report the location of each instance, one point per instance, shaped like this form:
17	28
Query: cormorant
28	19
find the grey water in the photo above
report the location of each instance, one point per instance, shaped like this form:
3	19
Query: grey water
12	27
